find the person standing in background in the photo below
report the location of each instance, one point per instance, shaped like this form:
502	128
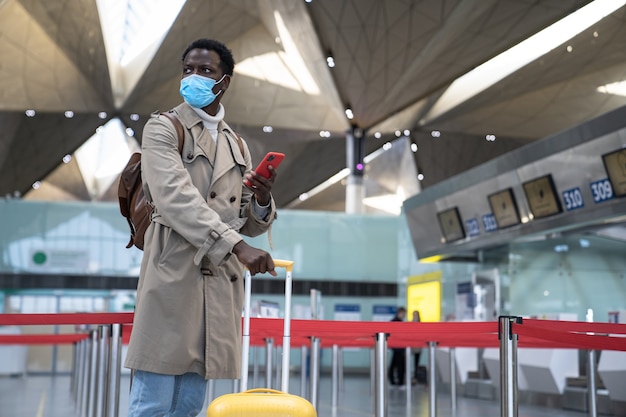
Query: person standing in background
395	373
416	352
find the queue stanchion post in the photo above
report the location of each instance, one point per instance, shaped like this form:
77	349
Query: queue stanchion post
315	370
591	375
432	382
340	379
85	378
211	390
115	371
278	367
591	383
303	355
255	367
380	375
373	370
407	375
103	374
508	366
269	356
74	366
80	377
453	401
92	398
335	378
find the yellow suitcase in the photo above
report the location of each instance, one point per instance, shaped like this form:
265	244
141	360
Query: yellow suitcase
263	402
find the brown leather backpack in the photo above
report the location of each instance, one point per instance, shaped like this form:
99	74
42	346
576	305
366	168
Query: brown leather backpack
133	203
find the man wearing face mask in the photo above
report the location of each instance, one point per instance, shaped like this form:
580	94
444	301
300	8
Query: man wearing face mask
187	325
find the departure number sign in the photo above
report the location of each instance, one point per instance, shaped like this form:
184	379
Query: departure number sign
489	222
573	199
601	190
473	229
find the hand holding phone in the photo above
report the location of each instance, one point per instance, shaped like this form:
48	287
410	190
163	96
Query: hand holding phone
272	158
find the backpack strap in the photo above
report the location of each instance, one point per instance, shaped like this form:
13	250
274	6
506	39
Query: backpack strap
240	143
180	130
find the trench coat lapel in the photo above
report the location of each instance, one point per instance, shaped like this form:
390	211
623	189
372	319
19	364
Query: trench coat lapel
206	143
227	154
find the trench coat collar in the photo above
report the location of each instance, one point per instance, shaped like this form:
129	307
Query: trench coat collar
227	153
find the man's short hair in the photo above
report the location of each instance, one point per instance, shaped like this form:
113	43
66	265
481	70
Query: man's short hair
227	62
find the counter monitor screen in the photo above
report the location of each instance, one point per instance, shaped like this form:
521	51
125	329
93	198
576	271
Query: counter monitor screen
504	208
450	224
615	164
542	197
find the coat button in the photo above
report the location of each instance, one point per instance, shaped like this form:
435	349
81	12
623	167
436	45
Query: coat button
213	194
189	155
232	199
233	278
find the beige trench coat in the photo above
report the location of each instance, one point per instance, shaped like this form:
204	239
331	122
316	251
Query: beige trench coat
190	291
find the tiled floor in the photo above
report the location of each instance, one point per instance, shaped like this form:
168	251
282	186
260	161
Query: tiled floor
45	396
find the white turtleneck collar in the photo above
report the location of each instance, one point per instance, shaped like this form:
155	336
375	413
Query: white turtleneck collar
211	122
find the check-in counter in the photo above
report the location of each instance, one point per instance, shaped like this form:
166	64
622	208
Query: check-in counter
546	370
612	370
466	360
12	357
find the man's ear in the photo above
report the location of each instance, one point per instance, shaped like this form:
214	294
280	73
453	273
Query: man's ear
226	83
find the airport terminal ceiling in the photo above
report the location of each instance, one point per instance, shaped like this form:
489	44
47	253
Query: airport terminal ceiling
72	70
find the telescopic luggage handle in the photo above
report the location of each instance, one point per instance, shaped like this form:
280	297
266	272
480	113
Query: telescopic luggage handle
245	351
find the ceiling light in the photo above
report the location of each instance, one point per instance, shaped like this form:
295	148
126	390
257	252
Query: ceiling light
435	133
414	147
490	138
420	176
303	196
398	133
30	113
324	133
67	158
349	113
69	114
378	135
618	88
407	132
134	117
561	248
130	132
268	129
525	52
330	60
36	185
387	146
102	115
569	48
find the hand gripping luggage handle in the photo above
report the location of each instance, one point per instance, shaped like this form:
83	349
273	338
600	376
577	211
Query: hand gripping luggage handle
245	351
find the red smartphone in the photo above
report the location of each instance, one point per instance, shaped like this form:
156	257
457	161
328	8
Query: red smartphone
272	158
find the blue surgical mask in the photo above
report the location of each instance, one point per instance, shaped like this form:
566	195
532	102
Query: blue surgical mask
198	90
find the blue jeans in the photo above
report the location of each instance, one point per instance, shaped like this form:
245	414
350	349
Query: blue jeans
156	395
